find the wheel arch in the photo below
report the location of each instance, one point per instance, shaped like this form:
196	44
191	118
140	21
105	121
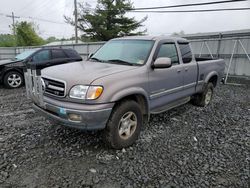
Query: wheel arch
138	95
213	78
6	71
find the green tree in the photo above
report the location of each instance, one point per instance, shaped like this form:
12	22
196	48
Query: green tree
176	34
7	40
51	39
26	34
107	20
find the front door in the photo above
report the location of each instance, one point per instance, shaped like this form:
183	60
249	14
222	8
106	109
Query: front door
166	84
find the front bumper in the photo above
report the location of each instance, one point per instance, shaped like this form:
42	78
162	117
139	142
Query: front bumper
90	119
86	116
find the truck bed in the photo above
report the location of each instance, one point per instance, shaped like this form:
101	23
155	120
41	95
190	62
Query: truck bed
203	58
208	66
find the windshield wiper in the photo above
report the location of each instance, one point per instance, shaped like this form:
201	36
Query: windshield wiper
96	59
121	62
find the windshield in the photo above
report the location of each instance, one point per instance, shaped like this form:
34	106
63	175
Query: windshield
134	52
24	55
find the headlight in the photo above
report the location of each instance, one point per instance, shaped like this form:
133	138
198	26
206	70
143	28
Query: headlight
85	92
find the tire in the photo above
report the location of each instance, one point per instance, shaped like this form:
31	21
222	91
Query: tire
124	125
13	79
204	99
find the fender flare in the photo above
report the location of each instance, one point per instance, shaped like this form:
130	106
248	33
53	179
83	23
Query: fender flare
210	75
131	91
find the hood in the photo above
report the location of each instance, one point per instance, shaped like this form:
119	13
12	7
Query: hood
8	61
83	72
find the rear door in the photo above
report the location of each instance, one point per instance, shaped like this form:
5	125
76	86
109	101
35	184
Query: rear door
190	69
165	85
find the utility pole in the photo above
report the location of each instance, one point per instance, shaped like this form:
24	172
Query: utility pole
75	12
13	23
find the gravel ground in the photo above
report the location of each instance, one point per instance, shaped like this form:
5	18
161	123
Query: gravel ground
184	147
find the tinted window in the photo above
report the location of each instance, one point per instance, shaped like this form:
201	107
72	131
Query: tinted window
57	54
71	53
169	50
24	55
185	52
41	56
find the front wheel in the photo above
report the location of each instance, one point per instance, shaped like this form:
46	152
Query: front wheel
124	125
13	79
203	99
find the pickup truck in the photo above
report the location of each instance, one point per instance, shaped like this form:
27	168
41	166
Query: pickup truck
120	85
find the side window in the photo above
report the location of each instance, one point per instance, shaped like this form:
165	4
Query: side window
43	55
169	50
186	53
58	54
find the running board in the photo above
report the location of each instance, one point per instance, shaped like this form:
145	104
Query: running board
171	105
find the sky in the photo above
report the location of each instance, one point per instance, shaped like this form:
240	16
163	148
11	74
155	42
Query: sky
48	16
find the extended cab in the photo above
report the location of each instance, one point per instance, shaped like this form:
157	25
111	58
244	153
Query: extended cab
124	82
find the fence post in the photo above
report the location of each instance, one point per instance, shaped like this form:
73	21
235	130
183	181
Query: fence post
219	45
230	62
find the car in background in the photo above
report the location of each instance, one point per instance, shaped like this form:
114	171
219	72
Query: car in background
11	70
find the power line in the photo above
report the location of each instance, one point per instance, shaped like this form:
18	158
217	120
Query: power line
49	7
44	20
179	11
23	8
41	7
185	5
35	18
176	6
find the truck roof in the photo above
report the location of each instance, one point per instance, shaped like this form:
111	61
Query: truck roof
155	38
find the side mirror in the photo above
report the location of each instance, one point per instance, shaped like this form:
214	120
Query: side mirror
26	61
162	62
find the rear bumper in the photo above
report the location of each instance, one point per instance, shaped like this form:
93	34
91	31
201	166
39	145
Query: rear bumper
90	119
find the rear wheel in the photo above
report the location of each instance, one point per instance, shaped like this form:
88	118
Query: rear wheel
13	79
124	125
203	99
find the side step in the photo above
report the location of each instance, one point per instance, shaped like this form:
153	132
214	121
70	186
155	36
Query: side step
171	105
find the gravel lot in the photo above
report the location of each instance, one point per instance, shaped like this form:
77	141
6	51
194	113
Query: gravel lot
185	147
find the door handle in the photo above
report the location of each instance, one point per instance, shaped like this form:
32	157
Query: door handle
186	69
179	70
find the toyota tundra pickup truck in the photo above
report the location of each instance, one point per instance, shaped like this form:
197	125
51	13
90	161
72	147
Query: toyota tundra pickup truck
120	85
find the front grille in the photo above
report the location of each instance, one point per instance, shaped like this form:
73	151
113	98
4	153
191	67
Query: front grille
54	87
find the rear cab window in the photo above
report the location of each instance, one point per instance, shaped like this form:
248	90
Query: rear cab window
186	52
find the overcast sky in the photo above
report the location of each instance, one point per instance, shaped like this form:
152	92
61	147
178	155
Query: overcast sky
156	24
